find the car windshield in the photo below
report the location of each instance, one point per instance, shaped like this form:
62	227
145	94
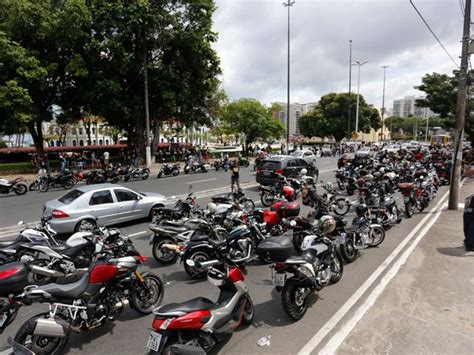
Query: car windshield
270	165
298	153
70	196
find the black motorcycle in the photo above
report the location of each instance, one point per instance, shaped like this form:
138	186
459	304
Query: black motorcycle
64	180
136	173
181	209
221	164
168	170
236	196
195	167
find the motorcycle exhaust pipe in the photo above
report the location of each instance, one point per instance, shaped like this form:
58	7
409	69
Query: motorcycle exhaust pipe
172	247
46	272
51	327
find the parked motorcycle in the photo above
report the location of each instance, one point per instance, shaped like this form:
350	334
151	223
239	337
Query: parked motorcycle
181	209
168	170
198	325
64	180
195	167
17	185
414	196
136	174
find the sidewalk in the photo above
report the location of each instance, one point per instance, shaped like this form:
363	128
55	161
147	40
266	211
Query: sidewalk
428	308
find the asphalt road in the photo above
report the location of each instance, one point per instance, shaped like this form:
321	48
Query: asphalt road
129	334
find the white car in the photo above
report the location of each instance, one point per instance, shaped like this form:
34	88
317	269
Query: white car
306	155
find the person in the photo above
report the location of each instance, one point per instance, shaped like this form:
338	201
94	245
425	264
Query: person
106	157
234	177
62	162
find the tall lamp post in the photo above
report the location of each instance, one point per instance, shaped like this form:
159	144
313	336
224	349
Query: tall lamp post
359	64
384	67
288	5
350	89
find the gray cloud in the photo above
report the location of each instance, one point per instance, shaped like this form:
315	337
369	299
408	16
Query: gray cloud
252	46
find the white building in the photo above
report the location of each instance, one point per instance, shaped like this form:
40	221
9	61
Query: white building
296	111
76	134
406	107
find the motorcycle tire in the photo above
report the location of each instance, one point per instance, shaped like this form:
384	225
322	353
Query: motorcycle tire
40	344
20	189
196	255
341	185
167	257
68	184
266	199
160	174
341	206
376	236
249	312
43	187
409	210
294	308
246	164
247	204
144	177
351	189
33	186
126	178
115	180
348	251
337	275
145	301
175	172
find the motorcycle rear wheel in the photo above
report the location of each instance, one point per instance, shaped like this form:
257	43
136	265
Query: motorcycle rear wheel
376	236
409	210
43	187
145	301
167	257
197	255
40	345
348	251
33	186
247	315
294	307
159	174
266	199
68	184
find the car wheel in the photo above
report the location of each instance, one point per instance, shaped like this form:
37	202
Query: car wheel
86	225
151	214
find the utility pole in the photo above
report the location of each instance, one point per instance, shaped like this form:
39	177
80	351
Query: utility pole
359	64
460	112
288	5
145	93
350	88
383	99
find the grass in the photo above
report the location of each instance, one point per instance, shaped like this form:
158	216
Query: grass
16	168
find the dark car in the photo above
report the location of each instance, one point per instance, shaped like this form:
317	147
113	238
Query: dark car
289	166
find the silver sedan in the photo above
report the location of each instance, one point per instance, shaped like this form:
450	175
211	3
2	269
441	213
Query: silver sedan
104	204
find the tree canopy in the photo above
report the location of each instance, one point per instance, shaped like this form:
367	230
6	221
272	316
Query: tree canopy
250	117
330	117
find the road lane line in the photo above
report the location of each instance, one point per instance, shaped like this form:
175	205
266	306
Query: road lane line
198	181
342	334
339	315
138	233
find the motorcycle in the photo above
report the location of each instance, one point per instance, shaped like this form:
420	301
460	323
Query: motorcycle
181	209
414	196
93	301
236	196
244	162
197	325
280	190
340	205
194	167
17	185
64	180
168	170
137	173
319	265
221	163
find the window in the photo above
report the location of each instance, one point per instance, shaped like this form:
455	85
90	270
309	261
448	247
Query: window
70	196
74	143
80	130
81	142
58	143
107	142
93	130
125	195
308	154
101	142
100	198
51	144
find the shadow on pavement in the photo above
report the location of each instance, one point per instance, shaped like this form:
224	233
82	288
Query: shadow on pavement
455	251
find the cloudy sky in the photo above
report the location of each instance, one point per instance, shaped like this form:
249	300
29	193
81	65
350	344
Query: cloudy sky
252	46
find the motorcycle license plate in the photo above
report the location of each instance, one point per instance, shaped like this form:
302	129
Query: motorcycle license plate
406	199
279	280
343	238
154	341
266	173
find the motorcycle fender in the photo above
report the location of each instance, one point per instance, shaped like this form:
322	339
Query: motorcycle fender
51	327
190	248
375	226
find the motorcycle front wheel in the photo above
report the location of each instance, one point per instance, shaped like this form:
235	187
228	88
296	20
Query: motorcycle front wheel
337	269
376	236
68	184
247	204
20	189
43	187
348	251
294	299
146	299
341	206
38	344
248	313
33	186
266	198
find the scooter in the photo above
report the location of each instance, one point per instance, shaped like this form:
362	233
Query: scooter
18	186
197	325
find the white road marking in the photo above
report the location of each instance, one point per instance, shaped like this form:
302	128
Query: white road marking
198	181
339	315
138	233
339	337
327	170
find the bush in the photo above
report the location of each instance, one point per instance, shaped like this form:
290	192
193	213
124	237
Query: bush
16	168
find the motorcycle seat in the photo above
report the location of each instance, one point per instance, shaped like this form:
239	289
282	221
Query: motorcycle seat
195	304
199	238
217	243
71	291
176	209
8	243
173	230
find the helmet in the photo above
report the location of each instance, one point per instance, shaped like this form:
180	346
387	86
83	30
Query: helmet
212	207
327	224
369	177
361	209
303	171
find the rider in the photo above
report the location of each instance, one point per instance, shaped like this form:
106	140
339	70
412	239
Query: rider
234	177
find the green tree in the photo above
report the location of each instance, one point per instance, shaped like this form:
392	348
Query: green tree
329	117
441	97
250	117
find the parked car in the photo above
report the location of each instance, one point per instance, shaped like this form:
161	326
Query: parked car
391	148
326	151
307	155
289	166
364	152
106	204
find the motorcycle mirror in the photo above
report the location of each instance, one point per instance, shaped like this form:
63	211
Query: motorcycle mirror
190	262
21	223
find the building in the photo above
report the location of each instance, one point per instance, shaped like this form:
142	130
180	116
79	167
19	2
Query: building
407	107
296	111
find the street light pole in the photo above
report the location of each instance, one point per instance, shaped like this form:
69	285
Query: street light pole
288	5
359	64
350	89
383	98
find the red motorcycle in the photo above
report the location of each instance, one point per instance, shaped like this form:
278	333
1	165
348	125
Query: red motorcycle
414	196
273	217
283	189
197	325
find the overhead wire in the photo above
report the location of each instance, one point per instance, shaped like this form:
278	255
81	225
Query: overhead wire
432	32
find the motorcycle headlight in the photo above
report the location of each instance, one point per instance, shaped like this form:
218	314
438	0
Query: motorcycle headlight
305	271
